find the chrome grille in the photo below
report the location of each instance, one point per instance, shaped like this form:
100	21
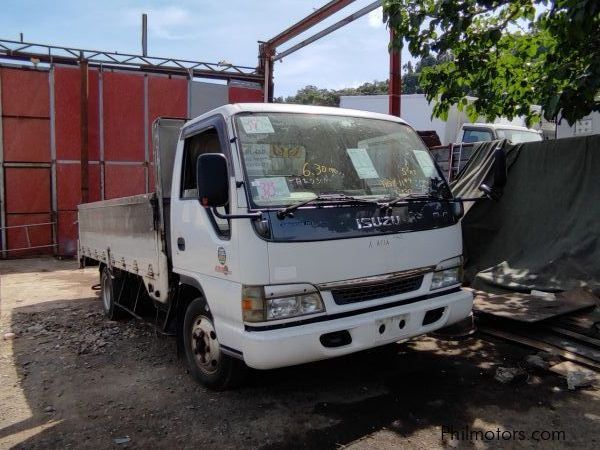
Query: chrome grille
387	288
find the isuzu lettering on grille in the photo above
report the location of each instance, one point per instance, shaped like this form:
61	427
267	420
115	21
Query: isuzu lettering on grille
374	222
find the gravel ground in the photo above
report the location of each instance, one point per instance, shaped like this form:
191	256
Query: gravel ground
71	379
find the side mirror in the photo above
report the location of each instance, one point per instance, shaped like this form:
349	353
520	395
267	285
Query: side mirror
499	170
213	180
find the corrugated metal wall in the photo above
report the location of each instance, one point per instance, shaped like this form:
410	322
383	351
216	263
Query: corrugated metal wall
40	144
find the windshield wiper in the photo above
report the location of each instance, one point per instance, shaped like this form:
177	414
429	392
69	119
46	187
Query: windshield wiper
413	198
331	198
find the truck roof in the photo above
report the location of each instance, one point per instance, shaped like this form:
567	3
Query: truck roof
234	108
498	126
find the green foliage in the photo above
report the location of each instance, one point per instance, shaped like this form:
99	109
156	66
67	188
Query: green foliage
510	54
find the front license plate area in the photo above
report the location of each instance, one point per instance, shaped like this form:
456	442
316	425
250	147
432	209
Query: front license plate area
390	327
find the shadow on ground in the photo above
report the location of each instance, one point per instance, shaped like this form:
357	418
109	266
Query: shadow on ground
88	381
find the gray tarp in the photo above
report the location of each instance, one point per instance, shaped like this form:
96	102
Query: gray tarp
544	233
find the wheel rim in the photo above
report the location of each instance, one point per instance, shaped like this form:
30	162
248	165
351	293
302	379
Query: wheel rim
106	292
205	345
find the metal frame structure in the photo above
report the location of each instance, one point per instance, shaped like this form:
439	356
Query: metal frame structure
2	193
48	56
268	50
43	53
28	238
336	26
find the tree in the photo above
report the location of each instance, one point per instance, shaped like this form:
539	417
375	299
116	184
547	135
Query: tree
510	54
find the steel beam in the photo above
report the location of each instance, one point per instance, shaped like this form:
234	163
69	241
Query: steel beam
53	169
32	52
144	34
146	143
4	246
308	22
345	21
267	49
85	181
395	80
101	129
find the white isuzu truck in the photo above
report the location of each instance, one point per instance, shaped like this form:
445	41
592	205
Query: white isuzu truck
282	234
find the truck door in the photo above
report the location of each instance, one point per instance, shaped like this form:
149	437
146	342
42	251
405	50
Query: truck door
200	240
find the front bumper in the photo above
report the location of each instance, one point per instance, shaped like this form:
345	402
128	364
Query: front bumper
270	349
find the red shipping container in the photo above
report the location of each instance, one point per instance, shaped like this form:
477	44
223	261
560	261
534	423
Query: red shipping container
38	235
167	97
68	186
123	106
123	180
238	94
25	92
94	180
27	190
67	107
67	232
26	140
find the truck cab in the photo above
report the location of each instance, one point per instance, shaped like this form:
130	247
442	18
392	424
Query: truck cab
346	271
285	234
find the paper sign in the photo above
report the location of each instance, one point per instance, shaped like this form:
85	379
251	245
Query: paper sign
256	124
425	162
270	188
362	163
257	160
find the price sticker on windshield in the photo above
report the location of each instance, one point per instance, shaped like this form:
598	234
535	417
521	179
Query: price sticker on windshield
271	188
257	125
362	163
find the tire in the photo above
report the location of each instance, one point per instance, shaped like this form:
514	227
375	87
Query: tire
110	289
207	364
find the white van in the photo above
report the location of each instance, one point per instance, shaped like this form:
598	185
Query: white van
478	132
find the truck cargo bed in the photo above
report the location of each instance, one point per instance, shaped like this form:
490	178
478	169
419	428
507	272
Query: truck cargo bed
124	234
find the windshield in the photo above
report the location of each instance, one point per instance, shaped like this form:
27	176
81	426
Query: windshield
292	157
518	136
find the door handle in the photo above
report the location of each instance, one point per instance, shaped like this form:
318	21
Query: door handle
181	244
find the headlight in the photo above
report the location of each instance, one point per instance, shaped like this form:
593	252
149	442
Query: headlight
260	303
447	273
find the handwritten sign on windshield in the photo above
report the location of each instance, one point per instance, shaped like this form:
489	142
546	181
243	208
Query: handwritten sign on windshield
362	163
256	157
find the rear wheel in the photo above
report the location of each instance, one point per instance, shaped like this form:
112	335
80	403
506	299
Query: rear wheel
207	363
111	288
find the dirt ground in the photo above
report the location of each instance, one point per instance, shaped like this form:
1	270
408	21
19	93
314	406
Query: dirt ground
71	379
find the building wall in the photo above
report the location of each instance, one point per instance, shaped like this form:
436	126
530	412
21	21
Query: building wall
417	112
40	144
588	125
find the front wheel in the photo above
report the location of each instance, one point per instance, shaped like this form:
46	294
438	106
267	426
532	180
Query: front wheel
207	363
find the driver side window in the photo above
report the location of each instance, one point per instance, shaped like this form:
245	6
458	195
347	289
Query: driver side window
196	145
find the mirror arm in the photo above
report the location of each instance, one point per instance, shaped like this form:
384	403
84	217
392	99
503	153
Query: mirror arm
256	215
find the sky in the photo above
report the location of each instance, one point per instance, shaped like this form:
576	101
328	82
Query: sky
211	31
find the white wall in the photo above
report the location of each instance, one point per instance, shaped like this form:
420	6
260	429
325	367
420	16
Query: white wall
588	125
417	112
414	108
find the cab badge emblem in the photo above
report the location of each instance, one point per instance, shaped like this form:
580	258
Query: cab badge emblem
222	257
